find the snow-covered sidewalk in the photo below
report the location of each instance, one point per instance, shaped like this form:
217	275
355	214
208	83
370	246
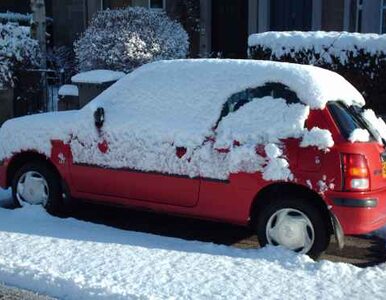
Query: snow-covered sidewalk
70	259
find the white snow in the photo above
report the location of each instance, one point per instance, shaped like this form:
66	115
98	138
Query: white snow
359	135
16	134
277	167
375	122
170	104
17	51
262	121
68	90
124	39
97	76
320	138
70	259
15	17
327	44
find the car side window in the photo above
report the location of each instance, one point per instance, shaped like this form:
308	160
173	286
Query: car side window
274	89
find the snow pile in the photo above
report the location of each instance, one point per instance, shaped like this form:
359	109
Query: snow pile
68	90
17	51
97	76
167	105
262	121
124	39
277	167
359	135
70	259
320	138
327	45
375	122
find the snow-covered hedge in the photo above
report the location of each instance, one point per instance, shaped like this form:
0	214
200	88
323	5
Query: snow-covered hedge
15	17
360	58
125	39
17	51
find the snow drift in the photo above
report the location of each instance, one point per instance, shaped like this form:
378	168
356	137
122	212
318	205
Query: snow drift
70	259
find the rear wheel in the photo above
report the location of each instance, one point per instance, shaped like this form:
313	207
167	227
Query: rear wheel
295	224
37	184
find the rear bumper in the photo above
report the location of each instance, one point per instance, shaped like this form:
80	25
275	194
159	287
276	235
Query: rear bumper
361	212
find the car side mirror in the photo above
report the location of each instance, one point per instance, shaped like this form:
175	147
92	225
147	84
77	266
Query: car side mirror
99	117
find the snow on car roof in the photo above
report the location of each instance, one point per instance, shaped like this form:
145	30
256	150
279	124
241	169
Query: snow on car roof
187	96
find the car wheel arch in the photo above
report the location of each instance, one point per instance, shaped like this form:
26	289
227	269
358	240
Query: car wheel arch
285	188
22	158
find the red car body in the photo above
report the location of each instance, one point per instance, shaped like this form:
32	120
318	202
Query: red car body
235	199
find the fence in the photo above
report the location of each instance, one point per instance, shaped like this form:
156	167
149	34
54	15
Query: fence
36	91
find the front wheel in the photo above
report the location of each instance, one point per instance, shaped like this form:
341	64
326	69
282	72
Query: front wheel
37	184
295	224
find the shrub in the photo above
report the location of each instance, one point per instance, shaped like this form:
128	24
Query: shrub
360	58
18	51
125	39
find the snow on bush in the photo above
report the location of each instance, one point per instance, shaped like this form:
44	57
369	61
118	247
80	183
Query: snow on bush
361	58
15	17
125	39
17	51
319	46
165	105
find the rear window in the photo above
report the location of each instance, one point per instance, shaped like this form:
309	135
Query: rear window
348	119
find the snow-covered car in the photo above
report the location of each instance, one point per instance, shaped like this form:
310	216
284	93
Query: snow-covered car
287	149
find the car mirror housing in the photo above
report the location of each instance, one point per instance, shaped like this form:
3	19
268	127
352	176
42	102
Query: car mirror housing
99	117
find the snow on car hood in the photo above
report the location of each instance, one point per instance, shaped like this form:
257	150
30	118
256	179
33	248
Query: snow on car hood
35	132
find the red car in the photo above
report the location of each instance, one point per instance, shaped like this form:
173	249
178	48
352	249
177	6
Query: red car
284	148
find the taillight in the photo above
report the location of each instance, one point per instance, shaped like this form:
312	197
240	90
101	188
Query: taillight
356	175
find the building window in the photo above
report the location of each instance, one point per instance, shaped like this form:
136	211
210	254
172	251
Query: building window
358	24
383	16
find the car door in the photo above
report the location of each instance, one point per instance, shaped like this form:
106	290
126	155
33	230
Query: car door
127	184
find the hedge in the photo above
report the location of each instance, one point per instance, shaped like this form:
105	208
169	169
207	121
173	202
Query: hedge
360	58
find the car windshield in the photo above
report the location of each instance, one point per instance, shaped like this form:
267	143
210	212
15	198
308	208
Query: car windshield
349	118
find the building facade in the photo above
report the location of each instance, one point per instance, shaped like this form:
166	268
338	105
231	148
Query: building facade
223	26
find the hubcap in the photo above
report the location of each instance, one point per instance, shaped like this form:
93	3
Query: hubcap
32	188
291	229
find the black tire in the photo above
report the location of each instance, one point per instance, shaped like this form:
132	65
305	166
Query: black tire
310	210
55	203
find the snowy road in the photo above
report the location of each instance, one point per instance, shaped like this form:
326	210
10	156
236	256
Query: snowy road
71	259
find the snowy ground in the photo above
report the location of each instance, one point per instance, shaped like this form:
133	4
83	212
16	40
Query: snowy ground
70	259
